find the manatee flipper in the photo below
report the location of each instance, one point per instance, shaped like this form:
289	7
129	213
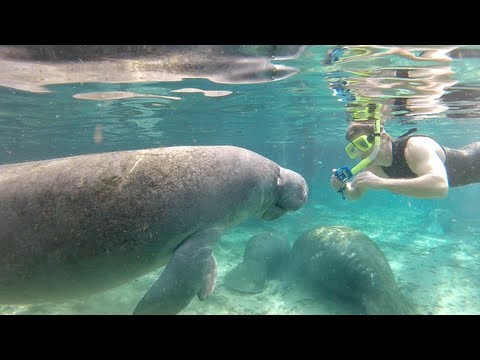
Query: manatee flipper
209	279
249	276
190	271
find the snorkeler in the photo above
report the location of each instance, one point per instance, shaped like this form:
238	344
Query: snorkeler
412	165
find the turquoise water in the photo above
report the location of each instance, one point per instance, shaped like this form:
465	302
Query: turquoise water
289	104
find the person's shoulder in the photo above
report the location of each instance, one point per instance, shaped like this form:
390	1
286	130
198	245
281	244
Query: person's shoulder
422	142
420	148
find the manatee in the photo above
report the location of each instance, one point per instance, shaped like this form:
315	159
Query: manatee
78	225
440	221
346	264
266	255
72	64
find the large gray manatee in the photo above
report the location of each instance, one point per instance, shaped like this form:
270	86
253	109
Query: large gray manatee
78	225
347	264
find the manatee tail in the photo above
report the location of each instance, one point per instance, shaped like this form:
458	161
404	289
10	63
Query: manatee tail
249	276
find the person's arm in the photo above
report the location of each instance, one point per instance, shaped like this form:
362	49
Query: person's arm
426	186
423	159
353	193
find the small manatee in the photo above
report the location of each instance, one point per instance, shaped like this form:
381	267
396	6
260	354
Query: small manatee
266	255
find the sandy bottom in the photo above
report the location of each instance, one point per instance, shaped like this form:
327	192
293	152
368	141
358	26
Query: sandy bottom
438	273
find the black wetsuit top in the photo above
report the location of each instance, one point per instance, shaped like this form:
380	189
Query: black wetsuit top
462	165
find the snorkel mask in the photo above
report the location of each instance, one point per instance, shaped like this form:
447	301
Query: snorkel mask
358	146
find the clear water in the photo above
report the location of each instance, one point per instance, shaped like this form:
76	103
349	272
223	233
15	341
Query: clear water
291	104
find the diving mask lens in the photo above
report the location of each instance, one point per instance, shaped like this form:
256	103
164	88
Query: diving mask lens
357	146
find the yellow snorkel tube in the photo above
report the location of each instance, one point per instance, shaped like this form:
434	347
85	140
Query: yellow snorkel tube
345	173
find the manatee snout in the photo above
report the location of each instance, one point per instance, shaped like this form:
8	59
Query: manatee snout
293	190
293	193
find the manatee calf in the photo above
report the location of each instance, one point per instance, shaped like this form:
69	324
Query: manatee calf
78	225
343	262
266	255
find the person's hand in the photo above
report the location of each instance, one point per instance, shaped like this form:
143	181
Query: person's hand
367	180
335	181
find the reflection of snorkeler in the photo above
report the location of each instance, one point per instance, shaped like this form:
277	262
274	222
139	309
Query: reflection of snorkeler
414	165
404	80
